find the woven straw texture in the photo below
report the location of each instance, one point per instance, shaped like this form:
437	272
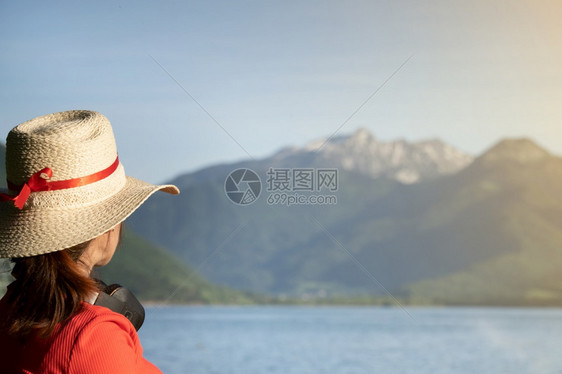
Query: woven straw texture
73	144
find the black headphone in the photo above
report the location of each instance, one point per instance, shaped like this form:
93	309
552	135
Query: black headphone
122	301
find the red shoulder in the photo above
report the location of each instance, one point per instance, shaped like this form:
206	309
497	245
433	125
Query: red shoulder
91	314
106	342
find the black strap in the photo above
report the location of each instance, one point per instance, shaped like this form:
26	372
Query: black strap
122	301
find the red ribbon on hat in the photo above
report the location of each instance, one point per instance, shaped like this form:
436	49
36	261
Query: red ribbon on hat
39	181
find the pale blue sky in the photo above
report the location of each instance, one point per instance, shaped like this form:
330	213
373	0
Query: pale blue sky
277	73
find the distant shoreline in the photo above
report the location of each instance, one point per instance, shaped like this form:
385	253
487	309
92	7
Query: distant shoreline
382	302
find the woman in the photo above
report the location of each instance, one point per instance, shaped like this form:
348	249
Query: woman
68	195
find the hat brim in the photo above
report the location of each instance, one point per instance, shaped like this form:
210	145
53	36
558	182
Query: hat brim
25	233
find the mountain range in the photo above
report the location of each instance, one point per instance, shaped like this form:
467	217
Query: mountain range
461	230
421	222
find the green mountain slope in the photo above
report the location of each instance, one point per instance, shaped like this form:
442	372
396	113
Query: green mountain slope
153	274
525	269
253	247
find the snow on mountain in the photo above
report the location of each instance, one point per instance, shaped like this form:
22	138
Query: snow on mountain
400	160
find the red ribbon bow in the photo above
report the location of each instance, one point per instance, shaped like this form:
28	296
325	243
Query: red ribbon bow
39	181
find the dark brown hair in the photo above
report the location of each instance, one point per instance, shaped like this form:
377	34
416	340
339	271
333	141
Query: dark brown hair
46	291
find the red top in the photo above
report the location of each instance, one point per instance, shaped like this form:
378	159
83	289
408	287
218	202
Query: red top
94	341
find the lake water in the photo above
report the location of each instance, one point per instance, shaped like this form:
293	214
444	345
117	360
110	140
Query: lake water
352	340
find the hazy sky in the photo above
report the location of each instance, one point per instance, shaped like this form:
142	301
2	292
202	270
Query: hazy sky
249	77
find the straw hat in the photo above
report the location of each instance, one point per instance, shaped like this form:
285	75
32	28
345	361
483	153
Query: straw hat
65	184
